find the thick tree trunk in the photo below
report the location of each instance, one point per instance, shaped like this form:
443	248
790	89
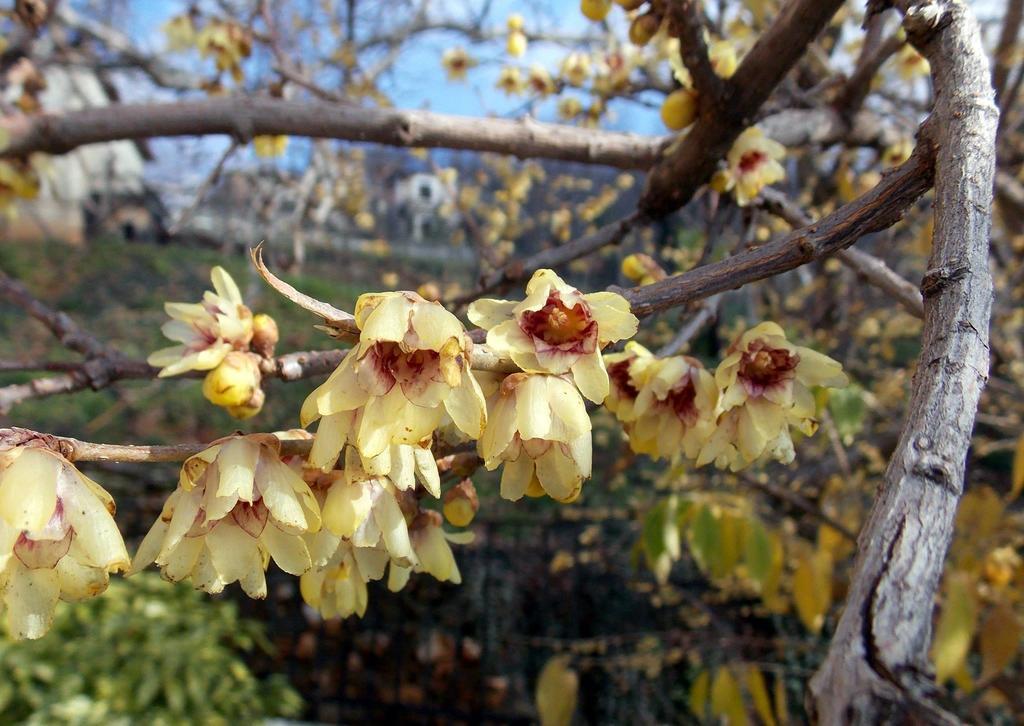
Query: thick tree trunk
877	668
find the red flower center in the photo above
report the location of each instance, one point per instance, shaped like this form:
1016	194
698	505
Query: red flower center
682	400
763	367
557	324
618	373
751	160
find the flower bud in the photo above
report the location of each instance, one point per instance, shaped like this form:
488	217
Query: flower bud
234	382
429	291
249	409
679	109
264	335
596	10
461	504
643	29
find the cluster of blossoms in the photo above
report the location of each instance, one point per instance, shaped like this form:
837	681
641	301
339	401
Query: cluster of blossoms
220	335
226	42
741	414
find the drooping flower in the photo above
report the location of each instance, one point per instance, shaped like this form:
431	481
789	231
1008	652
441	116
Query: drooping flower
557	329
207	331
433	552
237	505
456	62
576	68
411	365
765	385
674	411
337	589
539	429
753	164
235	384
540	82
268	146
58	539
626	376
510	81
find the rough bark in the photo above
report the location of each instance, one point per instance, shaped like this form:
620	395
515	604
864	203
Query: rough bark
877	668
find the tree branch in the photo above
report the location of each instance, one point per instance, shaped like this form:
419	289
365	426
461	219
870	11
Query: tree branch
877	667
876	210
245	117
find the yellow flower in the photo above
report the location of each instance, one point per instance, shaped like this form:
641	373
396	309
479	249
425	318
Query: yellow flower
897	153
433	552
514	22
236	506
338	589
207	331
557	329
721	53
674	410
516	44
910	64
58	539
510	81
753	164
576	68
18	180
180	32
539	429
626	373
410	366
461	504
228	43
540	82
269	146
765	384
569	108
456	62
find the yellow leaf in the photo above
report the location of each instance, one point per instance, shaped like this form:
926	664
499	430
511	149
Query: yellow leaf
1000	639
699	694
759	695
956	627
726	699
812	589
1017	480
781	707
557	688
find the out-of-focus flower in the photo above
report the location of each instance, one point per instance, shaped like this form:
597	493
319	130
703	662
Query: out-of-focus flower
510	80
910	64
514	22
228	43
268	146
411	365
721	54
897	153
207	331
58	539
433	552
539	429
18	180
596	10
753	164
461	503
456	63
569	107
765	385
236	506
576	68
642	269
540	82
180	32
674	411
1000	566
557	329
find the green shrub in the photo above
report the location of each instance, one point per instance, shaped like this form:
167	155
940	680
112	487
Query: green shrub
147	652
